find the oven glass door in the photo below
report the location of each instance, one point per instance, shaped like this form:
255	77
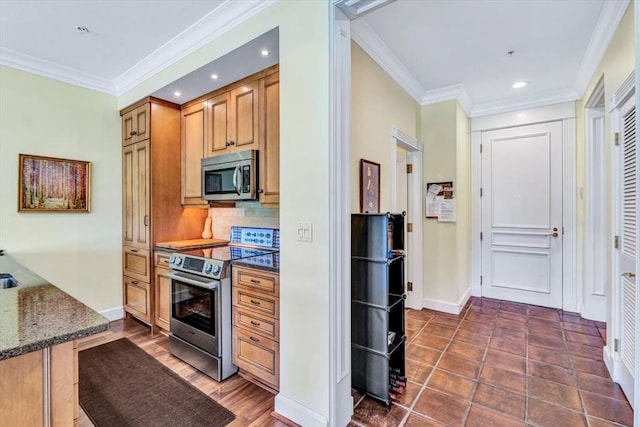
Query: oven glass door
194	306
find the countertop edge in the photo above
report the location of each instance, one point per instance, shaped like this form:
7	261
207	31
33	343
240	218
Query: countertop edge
49	342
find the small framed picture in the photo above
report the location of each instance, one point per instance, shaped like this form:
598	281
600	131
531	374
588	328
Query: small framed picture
48	184
369	186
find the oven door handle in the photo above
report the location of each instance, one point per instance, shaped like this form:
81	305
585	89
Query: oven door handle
193	280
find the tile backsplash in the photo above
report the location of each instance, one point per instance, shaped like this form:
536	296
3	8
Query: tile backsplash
245	214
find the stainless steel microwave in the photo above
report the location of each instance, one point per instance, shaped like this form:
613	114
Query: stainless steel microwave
230	177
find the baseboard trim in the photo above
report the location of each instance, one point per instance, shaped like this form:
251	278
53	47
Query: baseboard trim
609	360
112	314
298	413
446	306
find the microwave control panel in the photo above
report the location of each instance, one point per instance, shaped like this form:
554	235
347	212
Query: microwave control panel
246	179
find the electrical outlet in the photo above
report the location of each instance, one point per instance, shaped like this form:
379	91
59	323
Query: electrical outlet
305	231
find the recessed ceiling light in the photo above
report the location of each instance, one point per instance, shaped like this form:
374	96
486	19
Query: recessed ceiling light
214	76
82	30
264	52
176	93
519	85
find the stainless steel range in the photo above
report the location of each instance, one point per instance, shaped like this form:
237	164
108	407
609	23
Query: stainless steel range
200	322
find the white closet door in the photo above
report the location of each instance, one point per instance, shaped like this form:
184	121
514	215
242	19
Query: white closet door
628	221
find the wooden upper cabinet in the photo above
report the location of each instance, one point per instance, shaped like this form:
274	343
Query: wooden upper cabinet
232	120
269	162
136	194
244	126
218	109
136	125
194	130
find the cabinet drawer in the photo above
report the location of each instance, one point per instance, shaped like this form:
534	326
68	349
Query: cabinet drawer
257	355
265	326
137	263
137	299
256	279
161	259
258	303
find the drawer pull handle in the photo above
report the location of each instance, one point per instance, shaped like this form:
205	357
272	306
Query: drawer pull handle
134	251
254	339
255	281
134	282
254	302
255	323
165	261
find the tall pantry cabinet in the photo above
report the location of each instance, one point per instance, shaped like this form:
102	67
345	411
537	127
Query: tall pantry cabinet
151	203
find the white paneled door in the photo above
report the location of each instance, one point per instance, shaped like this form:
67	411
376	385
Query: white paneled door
522	214
628	223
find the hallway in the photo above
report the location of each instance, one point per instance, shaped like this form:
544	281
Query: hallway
502	364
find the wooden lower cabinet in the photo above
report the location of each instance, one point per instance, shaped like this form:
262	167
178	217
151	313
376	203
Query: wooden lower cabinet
136	263
23	388
137	298
256	325
162	290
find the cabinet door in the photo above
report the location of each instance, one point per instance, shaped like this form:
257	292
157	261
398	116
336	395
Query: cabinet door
270	139
136	125
244	122
218	111
194	126
162	287
136	194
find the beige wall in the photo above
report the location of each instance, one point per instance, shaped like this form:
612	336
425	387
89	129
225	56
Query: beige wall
616	65
445	131
81	252
377	102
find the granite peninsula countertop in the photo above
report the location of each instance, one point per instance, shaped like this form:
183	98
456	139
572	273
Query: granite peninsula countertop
37	314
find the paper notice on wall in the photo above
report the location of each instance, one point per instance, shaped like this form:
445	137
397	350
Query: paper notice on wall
433	200
447	210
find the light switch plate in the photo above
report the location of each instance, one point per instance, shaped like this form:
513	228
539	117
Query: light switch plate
305	231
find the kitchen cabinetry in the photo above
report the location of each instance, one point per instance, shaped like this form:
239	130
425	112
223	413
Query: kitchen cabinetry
232	119
194	130
269	159
135	125
377	305
152	205
244	115
256	325
26	385
162	290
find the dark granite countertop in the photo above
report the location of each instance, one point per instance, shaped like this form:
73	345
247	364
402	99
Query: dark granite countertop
269	262
37	314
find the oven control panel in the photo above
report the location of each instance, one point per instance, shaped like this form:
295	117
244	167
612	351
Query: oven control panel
196	265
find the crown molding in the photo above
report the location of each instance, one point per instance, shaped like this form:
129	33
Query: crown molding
41	67
549	98
606	26
227	16
371	43
454	92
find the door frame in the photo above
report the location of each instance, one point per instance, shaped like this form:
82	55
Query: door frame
564	112
414	149
595	244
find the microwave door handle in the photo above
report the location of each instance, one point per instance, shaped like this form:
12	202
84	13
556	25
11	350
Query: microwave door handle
237	185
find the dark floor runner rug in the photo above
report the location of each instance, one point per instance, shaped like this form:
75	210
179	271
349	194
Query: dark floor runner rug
121	385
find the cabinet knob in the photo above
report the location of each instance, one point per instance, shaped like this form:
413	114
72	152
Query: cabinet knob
232	143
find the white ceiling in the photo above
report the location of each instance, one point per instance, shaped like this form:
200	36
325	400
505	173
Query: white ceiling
435	49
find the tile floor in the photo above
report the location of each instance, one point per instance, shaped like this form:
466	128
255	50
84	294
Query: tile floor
501	364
